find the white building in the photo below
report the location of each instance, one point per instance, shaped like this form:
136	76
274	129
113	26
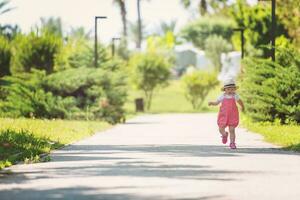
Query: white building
231	65
187	55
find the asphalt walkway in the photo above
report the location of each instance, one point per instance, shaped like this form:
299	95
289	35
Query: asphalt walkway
169	156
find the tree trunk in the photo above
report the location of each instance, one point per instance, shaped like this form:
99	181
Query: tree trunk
202	7
139	42
146	99
150	99
124	20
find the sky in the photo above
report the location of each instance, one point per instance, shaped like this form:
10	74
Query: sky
76	13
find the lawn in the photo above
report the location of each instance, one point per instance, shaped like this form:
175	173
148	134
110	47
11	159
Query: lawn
26	139
171	99
287	136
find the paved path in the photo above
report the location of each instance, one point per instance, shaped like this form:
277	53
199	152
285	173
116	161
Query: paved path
153	157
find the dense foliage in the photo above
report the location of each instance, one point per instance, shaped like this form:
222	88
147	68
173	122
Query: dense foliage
23	96
289	15
198	31
5	56
257	21
272	90
52	79
101	92
35	52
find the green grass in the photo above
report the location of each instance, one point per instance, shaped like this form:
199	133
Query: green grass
26	139
287	136
171	99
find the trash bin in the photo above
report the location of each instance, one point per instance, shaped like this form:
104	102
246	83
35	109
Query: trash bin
139	105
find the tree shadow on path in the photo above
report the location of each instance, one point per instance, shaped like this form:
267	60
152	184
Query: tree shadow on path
98	161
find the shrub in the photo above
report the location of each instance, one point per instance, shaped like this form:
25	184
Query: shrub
35	52
89	93
272	90
23	96
5	56
149	71
90	87
197	86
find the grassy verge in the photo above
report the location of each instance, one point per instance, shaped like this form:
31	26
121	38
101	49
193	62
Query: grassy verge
171	99
26	139
287	136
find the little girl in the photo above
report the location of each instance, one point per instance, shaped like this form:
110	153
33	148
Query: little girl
228	114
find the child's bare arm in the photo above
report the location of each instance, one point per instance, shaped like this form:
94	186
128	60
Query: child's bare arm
240	102
213	103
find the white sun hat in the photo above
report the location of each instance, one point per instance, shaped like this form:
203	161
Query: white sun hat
229	83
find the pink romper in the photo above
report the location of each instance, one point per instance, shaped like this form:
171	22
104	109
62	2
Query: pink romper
228	113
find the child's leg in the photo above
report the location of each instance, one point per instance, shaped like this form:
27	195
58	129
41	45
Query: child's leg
232	134
222	131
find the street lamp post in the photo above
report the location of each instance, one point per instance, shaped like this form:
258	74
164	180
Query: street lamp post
113	45
273	28
242	39
96	39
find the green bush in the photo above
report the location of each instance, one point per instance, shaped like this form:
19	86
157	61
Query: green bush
148	72
198	31
272	90
86	93
5	56
35	52
23	96
197	86
101	91
214	47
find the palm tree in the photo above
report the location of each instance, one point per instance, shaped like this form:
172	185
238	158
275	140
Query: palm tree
167	27
10	31
122	6
7	30
79	32
134	33
3	4
140	36
203	5
52	25
140	24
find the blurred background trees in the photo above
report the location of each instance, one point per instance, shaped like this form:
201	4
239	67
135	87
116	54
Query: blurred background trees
48	72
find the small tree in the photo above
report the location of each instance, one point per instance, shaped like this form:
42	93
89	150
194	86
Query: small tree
214	47
197	86
149	71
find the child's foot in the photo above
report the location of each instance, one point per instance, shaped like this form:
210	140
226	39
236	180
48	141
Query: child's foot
224	138
232	145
